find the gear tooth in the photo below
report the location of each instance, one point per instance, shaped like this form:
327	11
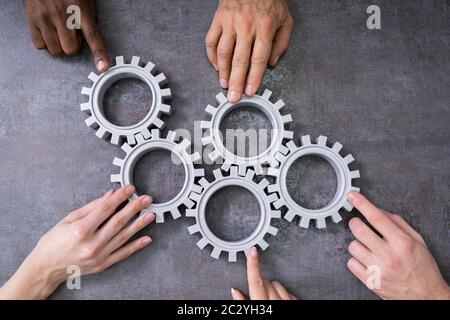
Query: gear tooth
175	213
278	204
116	178
194	229
204	183
145	134
273	188
115	139
280	158
218	174
131	140
242	168
202	243
135	60
348	206
165	109
205	124
196	188
93	77
250	175
289	215
263	244
354	174
190	213
322	141
320	223
101	133
118	162
216	253
272	230
273	172
232	256
337	147
86	91
171	135
267	94
159	217
258	169
91	122
188	202
273	162
273	198
158	123
304	222
199	173
279	104
292	146
161	79
194	196
263	184
275	214
211	110
336	217
288	135
226	166
155	133
126	148
195	157
85	107
221	99
207	140
284	150
166	93
234	171
185	144
287	118
349	159
149	67
306	140
119	61
353	188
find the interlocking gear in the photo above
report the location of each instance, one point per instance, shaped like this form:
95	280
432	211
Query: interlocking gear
180	152
265	212
288	155
101	83
212	134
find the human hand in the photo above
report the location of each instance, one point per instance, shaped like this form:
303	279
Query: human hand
258	287
244	37
406	267
92	238
47	24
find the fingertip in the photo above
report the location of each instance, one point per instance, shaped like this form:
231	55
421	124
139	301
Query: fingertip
254	253
353	197
274	60
146	201
102	65
108	193
146	241
129	189
250	90
233	96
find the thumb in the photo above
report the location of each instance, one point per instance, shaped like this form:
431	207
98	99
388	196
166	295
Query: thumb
94	39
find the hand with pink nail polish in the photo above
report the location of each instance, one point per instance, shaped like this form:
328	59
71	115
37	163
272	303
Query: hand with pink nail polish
395	263
48	28
90	239
258	287
245	36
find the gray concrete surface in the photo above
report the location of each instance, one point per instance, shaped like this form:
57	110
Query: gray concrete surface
383	94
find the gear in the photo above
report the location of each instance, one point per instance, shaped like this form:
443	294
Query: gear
212	134
101	83
288	155
266	213
180	152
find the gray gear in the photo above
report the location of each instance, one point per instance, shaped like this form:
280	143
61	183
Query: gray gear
266	213
181	152
101	83
287	157
271	110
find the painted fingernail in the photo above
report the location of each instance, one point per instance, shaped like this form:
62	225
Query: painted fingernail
149	217
249	90
216	67
101	65
351	196
254	252
232	96
233	292
223	83
129	189
146	241
146	201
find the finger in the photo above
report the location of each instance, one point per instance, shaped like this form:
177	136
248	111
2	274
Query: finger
83	211
51	39
282	292
271	292
92	35
239	67
68	38
237	295
36	37
401	223
375	216
260	57
293	297
125	234
281	42
224	55
365	235
361	253
357	269
126	251
256	287
211	43
106	208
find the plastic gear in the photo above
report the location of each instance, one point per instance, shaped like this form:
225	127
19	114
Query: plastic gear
181	152
101	83
266	213
287	157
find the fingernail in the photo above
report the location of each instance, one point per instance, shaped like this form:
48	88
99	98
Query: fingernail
351	196
232	96
146	241
129	189
101	65
223	83
216	67
249	90
149	217
107	194
146	201
233	292
276	60
254	252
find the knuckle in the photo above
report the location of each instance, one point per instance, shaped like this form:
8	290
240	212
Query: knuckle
258	282
352	246
80	233
223	53
259	59
210	43
240	60
90	251
406	246
267	22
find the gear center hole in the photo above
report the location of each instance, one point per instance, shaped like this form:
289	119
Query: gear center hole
127	102
156	175
232	213
246	131
311	182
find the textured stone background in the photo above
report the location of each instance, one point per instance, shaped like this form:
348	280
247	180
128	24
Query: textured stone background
383	94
